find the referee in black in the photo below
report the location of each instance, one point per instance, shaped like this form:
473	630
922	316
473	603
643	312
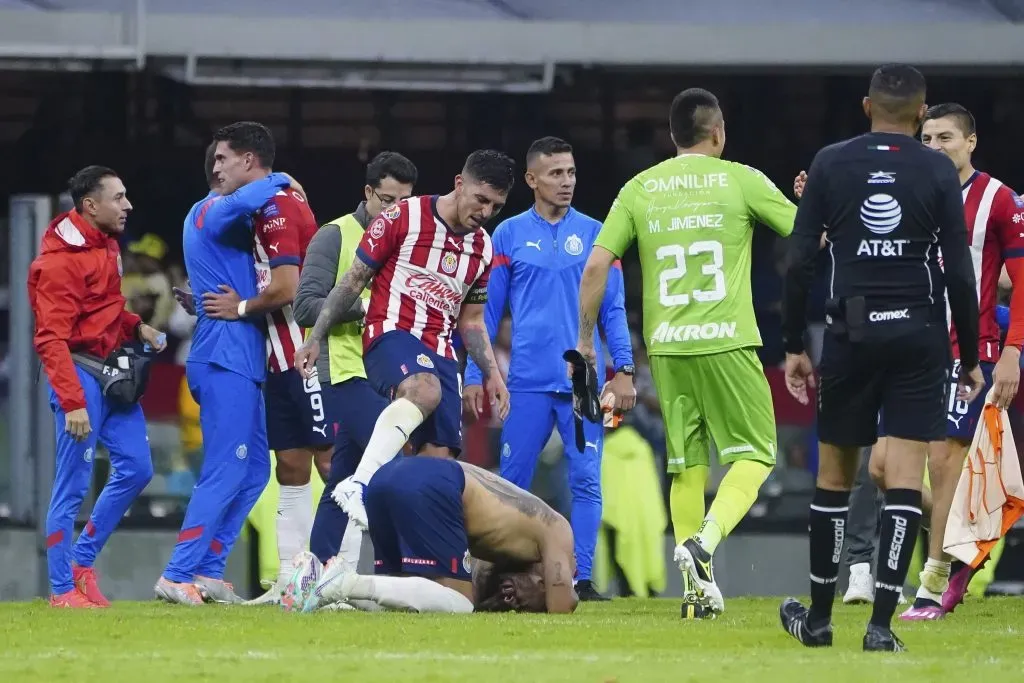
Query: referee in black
886	204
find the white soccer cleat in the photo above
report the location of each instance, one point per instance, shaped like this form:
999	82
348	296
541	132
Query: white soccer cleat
348	494
270	598
335	584
861	590
217	590
178	593
308	570
697	562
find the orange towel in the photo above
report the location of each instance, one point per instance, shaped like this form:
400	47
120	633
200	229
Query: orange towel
989	497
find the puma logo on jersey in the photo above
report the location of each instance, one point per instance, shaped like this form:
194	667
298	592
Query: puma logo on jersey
453	242
372	244
666	333
533	244
274	247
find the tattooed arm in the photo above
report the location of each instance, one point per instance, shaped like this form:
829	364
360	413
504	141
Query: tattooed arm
341	299
473	330
559	568
592	288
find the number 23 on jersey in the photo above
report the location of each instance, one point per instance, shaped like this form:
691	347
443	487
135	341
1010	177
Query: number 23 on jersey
675	259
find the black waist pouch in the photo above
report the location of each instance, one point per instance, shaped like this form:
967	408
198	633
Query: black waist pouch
123	375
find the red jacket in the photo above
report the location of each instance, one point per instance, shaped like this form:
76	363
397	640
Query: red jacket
74	287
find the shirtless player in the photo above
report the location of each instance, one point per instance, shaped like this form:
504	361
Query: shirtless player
451	537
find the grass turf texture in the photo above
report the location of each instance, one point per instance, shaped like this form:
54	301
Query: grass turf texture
625	640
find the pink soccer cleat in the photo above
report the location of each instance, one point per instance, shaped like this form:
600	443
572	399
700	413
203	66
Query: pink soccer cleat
926	613
957	589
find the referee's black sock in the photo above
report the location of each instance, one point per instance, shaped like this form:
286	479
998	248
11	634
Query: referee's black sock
827	531
901	520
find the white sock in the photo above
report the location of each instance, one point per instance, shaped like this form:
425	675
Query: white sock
294	524
393	428
934	579
410	593
351	545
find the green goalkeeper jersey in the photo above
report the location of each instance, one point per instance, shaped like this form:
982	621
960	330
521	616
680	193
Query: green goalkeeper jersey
693	217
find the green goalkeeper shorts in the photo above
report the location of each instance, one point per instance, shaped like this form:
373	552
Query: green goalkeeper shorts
722	397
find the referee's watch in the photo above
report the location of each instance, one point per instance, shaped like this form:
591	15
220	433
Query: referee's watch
626	369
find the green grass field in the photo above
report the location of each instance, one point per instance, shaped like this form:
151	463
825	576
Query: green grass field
626	640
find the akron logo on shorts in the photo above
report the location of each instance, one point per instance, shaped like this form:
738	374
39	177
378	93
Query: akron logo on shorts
449	262
241	452
573	245
881	214
424	360
506	451
87	456
466	563
377	229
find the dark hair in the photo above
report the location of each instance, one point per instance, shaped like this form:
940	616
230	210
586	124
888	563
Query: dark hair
209	161
88	181
898	90
547	146
390	164
249	136
964	118
491	167
692	115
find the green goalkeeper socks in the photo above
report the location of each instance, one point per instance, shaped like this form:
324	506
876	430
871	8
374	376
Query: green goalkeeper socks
686	500
736	494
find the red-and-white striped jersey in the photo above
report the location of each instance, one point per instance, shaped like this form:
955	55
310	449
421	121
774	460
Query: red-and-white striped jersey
995	231
425	272
282	230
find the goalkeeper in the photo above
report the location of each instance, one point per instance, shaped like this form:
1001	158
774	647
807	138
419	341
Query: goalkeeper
692	218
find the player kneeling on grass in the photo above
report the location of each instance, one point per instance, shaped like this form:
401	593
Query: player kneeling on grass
427	516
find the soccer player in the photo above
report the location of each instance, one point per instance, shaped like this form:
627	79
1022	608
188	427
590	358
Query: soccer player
74	288
429	518
429	258
300	417
390	178
538	262
692	218
226	367
888	201
995	231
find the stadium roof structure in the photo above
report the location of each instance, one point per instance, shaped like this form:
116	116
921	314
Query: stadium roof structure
503	45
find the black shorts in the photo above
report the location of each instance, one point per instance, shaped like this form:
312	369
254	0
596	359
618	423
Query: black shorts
904	376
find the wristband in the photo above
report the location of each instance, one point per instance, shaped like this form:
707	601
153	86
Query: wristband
241	308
